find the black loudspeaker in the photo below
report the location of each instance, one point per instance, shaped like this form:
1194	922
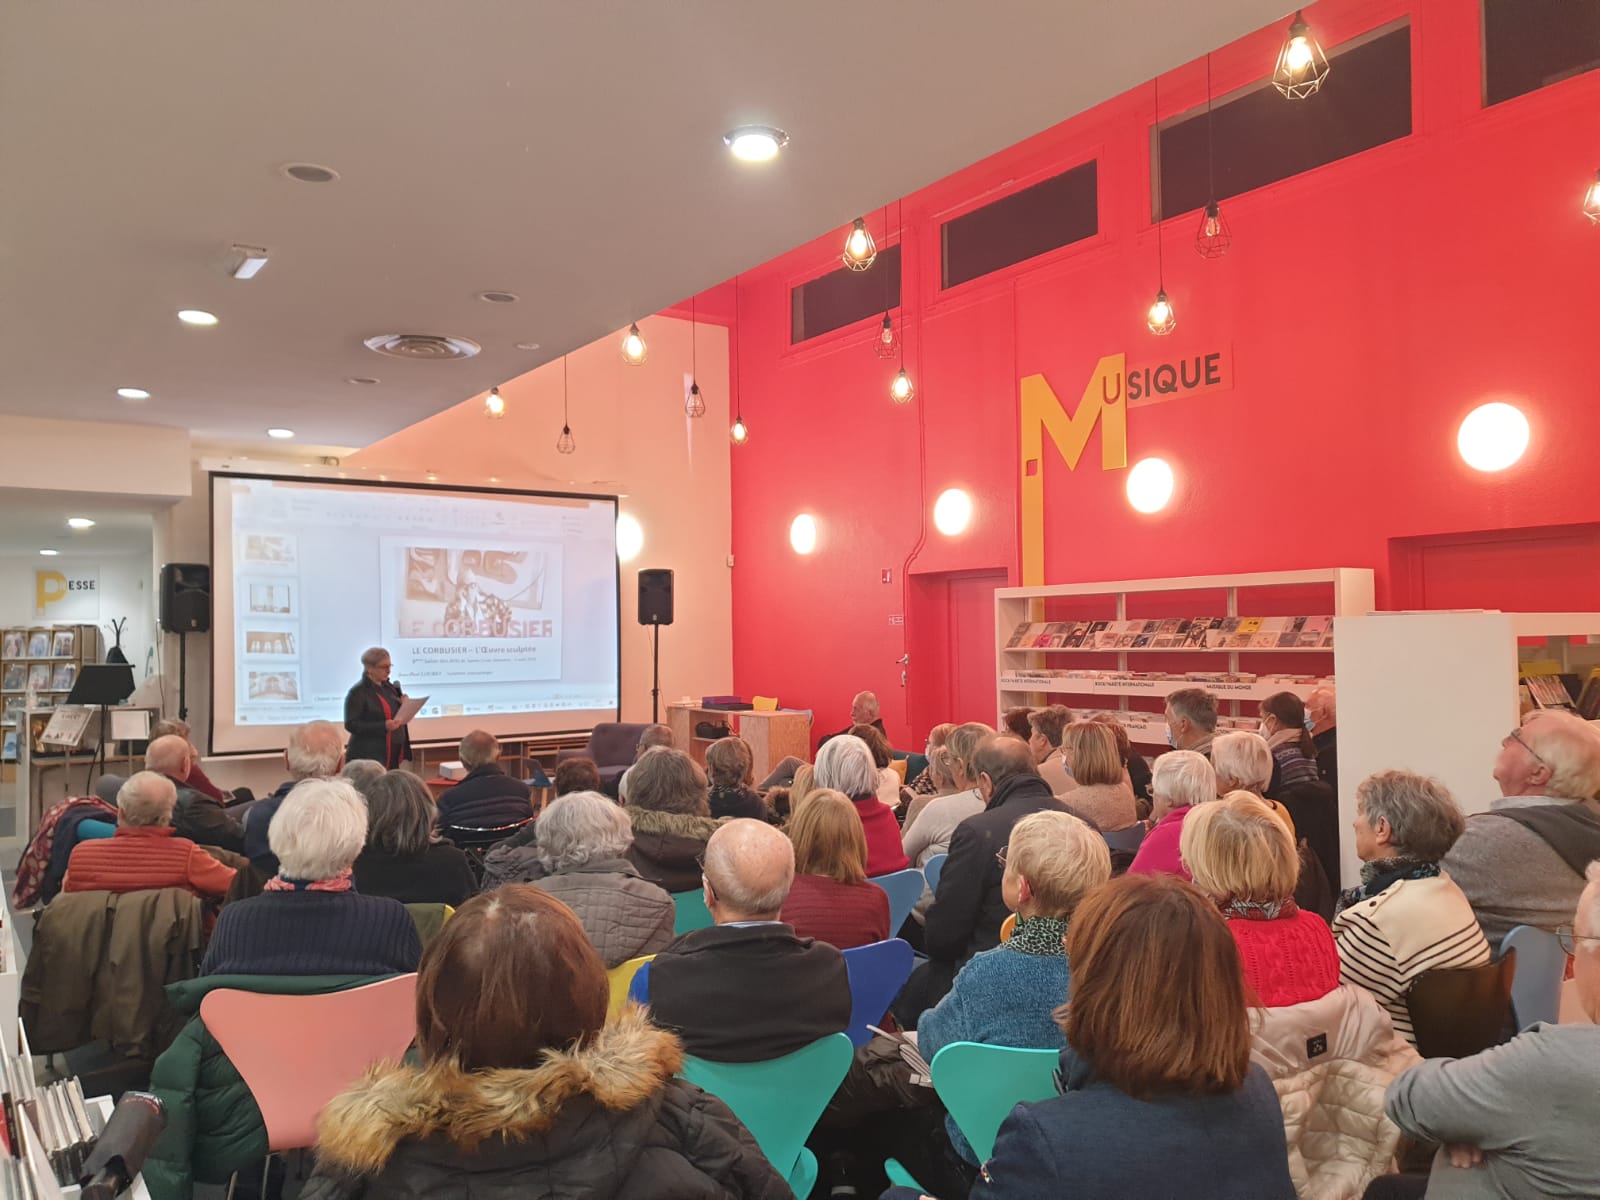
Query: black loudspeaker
186	598
655	597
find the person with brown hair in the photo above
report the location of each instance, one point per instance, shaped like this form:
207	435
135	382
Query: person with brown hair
576	775
404	857
927	783
890	791
670	810
830	899
1148	1089
1044	739
1294	753
524	1089
729	764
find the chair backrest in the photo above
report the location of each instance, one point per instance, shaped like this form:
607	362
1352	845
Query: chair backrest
473	837
691	912
1008	927
904	889
1128	839
639	986
877	973
89	831
981	1084
1541	966
620	980
296	1053
1462	1011
764	703
429	919
932	869
537	777
107	787
778	1101
614	743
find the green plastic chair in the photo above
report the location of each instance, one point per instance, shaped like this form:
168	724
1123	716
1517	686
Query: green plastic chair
692	912
780	1100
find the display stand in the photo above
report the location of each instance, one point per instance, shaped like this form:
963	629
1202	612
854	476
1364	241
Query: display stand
105	685
771	735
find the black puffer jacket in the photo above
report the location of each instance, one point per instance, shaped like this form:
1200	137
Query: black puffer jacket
609	1122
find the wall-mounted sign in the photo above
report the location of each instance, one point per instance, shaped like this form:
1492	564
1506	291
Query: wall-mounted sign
67	594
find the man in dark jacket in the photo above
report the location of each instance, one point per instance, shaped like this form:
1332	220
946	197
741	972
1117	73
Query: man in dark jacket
196	816
748	989
1323	712
315	751
969	907
863	711
487	798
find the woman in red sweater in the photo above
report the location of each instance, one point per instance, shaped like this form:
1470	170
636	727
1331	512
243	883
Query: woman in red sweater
845	764
831	899
1240	854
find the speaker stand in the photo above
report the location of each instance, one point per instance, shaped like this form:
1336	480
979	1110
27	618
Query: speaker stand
655	673
183	676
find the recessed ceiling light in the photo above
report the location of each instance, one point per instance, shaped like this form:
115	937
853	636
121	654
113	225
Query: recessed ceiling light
49	553
280	433
527	345
310	173
196	316
79	523
133	393
364	380
246	261
498	297
756	143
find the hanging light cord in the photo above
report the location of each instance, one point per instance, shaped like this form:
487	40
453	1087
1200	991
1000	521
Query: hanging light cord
738	361
1211	153
694	345
902	258
1161	262
901	207
565	423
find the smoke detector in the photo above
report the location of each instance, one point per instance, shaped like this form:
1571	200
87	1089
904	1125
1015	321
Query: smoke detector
430	346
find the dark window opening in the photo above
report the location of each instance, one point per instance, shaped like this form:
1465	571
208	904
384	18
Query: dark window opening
1530	44
1052	213
844	297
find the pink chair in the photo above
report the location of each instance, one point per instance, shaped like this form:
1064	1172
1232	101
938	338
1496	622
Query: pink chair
296	1053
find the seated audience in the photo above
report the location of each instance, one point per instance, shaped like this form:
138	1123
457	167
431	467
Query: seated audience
310	920
195	816
830	899
576	775
360	773
863	711
748	989
1181	780
580	859
1132	762
521	1088
1148	1088
1045	727
970	905
315	751
936	779
730	769
1007	996
404	858
778	801
1517	1119
1322	710
924	785
1243	763
487	798
805	782
652	737
1240	855
145	851
930	832
1407	916
1017	723
845	765
1191	719
1294	754
196	780
1522	862
670	813
1101	791
889	786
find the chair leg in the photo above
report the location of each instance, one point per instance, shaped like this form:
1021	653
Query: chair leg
266	1174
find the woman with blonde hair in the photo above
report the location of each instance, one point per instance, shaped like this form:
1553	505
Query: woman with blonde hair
831	899
1103	793
936	778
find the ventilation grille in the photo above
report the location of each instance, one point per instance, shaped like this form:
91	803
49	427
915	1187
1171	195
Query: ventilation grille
430	346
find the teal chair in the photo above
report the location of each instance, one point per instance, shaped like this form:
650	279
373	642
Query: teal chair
932	869
692	912
904	889
779	1101
1541	966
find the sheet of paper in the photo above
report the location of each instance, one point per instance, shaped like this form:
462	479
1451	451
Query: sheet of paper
130	725
66	725
409	708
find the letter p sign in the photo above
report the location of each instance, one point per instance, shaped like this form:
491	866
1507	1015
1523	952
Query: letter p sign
49	586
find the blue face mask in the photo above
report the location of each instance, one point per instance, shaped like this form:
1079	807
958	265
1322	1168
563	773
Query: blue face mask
1311	723
1170	742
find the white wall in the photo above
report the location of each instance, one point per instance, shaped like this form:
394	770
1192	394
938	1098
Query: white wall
125	591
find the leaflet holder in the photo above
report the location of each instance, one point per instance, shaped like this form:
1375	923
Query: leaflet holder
102	685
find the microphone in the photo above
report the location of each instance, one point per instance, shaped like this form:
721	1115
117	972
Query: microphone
123	1145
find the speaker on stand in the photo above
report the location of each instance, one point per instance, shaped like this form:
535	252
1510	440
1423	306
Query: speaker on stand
655	610
185	609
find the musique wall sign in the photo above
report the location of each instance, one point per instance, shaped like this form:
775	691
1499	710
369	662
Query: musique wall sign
1113	387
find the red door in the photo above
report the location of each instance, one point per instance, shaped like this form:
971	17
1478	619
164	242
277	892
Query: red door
951	675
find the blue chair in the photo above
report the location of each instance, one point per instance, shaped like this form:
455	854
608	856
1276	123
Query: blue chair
639	989
90	830
877	973
904	889
932	869
537	778
1541	966
691	912
779	1101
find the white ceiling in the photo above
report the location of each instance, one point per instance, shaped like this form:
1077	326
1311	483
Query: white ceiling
35	520
566	150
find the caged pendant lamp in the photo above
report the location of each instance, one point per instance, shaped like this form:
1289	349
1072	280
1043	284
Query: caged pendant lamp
566	443
1213	237
1161	319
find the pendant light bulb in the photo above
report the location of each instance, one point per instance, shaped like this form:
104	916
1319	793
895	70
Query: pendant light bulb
860	251
566	443
740	433
1591	201
695	405
901	390
1213	237
634	351
1161	319
494	404
887	343
1302	66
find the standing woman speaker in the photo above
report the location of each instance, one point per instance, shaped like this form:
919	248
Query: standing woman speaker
369	714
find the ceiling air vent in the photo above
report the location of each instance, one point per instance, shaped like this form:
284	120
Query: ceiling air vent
431	346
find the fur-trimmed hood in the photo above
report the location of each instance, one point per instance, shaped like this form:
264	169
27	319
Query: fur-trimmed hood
626	1064
648	821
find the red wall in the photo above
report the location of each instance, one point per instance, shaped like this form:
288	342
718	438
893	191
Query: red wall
1369	305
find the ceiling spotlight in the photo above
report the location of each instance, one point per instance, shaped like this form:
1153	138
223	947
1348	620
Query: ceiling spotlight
1591	200
310	173
860	251
901	389
634	350
740	433
755	143
494	404
498	297
49	553
1161	319
196	316
1302	66
363	380
527	345
247	261
695	405
133	393
79	523
280	434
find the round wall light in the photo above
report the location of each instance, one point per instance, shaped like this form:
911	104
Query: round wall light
1493	436
630	537
803	533
755	143
952	512
1150	485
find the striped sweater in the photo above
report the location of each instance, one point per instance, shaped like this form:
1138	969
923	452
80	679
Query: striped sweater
1412	926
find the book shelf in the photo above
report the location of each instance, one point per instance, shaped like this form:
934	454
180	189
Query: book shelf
38	681
1188	617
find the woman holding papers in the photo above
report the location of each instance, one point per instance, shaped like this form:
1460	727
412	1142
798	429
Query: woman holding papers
371	714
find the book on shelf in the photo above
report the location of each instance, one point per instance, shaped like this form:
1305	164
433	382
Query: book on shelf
1589	698
1548	691
1020	633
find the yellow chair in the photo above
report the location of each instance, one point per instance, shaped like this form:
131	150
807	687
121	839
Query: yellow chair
1005	929
620	979
764	703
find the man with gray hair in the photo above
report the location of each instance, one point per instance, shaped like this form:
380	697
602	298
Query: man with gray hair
863	711
1181	780
487	798
146	851
1191	719
315	751
1322	717
747	989
196	816
651	737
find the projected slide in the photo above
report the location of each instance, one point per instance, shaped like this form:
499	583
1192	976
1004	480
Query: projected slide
500	608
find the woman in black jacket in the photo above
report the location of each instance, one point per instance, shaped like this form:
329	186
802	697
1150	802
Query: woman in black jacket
523	1090
404	858
369	714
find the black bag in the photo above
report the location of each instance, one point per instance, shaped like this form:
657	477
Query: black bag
712	731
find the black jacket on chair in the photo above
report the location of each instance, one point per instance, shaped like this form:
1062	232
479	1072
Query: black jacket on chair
364	718
486	799
203	821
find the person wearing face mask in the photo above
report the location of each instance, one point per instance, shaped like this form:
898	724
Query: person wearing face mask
1322	717
1191	719
1294	754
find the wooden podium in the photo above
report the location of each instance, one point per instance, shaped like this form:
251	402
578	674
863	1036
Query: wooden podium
772	736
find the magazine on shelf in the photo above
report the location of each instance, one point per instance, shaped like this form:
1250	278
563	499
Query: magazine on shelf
1017	636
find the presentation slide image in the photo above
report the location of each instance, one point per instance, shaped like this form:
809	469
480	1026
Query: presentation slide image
270	686
270	641
267	599
275	549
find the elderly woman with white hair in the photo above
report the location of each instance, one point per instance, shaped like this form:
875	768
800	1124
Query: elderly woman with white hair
1243	762
310	920
845	764
1181	780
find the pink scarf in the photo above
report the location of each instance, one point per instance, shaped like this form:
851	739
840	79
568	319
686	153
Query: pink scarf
342	882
